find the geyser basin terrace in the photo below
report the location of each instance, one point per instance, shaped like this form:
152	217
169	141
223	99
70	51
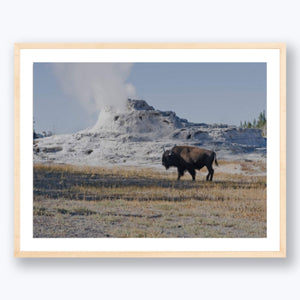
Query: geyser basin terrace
137	135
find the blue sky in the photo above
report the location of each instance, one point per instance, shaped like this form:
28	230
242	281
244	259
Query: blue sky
200	92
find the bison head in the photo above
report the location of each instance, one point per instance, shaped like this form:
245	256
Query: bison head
169	159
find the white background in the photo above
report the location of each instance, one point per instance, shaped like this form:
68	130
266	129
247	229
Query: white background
151	21
272	59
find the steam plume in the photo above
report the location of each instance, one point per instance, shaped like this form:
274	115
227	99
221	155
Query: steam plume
96	85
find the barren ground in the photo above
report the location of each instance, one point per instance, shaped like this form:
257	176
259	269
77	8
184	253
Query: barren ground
72	201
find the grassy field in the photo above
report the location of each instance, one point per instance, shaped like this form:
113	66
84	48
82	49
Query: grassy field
124	202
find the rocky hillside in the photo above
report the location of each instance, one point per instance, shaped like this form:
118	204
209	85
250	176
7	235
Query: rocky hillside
137	136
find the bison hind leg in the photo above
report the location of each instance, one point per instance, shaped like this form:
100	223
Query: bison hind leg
207	177
210	173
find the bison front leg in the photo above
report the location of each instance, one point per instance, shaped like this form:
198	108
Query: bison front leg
180	173
193	173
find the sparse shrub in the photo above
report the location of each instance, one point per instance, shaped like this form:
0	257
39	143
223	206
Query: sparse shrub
41	211
82	212
62	211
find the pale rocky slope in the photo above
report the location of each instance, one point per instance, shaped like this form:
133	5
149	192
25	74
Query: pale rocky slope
136	137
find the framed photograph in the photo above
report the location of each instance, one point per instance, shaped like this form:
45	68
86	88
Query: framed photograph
150	150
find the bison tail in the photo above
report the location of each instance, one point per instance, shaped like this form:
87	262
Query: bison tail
216	162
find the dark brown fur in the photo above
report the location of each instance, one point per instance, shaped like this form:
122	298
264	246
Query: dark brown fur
189	158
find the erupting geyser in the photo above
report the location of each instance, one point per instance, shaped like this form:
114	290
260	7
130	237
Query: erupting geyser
96	85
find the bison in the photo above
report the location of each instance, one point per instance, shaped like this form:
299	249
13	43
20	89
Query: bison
189	158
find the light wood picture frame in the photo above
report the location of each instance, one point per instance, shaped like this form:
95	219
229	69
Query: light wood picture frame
273	244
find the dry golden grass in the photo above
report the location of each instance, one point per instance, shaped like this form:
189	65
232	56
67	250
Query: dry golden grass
73	201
